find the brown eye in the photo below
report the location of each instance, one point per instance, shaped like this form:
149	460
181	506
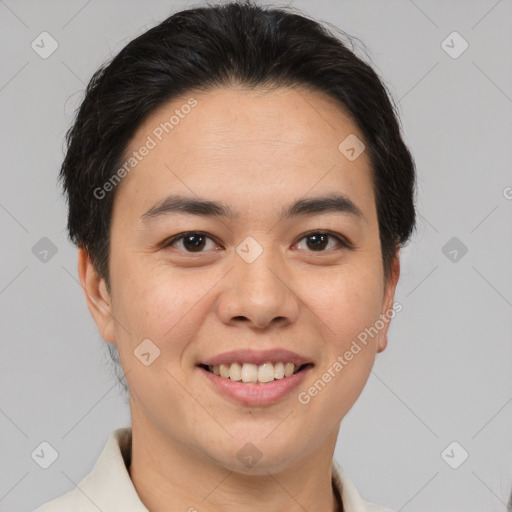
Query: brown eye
191	242
317	241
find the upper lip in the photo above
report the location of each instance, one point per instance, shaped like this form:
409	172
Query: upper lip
257	357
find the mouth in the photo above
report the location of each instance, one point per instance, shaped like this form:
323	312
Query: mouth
250	373
255	385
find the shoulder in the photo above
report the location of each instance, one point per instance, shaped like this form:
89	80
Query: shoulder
107	487
352	500
72	501
372	507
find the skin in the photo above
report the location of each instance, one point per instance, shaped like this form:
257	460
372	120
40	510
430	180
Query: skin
256	151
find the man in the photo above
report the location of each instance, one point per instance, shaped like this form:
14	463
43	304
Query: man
238	189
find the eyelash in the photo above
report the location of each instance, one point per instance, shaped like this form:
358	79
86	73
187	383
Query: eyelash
343	242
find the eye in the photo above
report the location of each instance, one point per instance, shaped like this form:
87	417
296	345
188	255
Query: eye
195	241
192	241
318	240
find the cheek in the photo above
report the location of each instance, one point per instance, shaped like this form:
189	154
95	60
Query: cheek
345	308
161	305
153	309
348	304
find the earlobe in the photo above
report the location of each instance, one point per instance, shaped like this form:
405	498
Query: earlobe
383	342
96	295
387	304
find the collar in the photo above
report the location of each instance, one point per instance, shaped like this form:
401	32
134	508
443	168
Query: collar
108	486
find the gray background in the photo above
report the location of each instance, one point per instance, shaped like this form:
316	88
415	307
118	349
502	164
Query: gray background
446	374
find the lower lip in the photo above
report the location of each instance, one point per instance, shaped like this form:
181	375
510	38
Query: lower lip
256	394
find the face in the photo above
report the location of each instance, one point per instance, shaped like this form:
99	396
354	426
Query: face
197	286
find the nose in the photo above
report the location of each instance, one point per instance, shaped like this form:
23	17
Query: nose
260	294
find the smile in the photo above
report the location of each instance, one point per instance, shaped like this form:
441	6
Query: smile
255	374
254	393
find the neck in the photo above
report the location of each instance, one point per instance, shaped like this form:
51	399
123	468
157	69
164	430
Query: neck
165	472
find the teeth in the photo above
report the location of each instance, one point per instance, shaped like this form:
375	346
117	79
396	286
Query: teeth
252	373
278	371
224	370
235	372
289	368
266	372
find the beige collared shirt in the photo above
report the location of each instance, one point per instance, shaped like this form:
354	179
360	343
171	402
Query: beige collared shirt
108	486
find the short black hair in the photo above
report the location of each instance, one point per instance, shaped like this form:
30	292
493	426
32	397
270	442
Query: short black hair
218	46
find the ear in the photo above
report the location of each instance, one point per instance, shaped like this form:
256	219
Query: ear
387	303
96	295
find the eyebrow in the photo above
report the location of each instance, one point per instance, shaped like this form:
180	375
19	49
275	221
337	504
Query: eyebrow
330	203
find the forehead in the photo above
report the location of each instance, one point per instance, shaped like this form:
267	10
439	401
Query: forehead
235	118
246	144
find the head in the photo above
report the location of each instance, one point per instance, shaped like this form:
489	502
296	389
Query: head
253	109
